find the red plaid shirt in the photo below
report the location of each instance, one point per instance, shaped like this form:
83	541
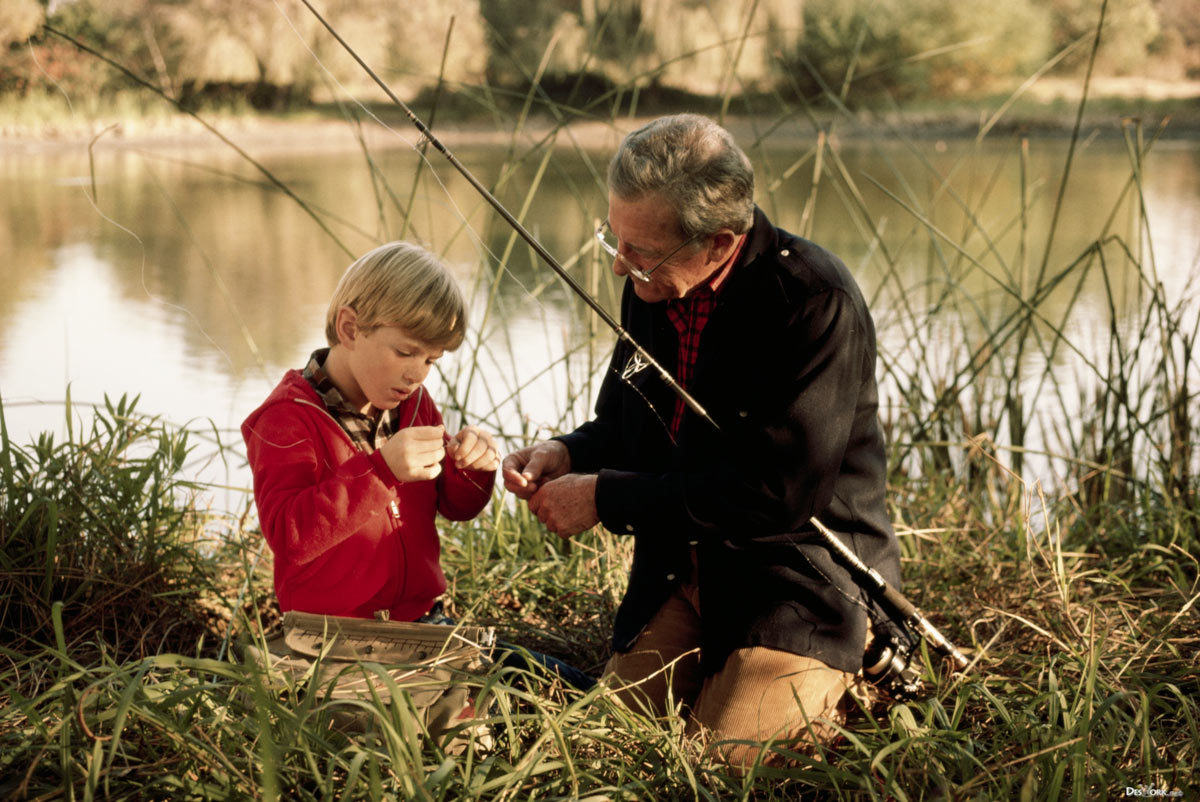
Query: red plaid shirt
689	315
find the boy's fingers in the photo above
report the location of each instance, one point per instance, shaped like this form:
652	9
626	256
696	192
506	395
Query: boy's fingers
479	450
424	432
467	440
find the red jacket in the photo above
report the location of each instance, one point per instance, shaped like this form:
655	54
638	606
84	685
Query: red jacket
348	537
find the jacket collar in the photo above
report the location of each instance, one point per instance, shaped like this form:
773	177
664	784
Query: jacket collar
759	239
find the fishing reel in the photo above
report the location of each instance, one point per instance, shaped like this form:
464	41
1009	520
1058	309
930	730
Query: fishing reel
893	668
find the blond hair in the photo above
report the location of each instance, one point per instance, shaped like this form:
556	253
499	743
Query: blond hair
403	285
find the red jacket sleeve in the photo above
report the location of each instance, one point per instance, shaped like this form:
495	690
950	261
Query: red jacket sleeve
463	494
311	494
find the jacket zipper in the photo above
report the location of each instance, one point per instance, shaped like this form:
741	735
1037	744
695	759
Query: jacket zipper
393	505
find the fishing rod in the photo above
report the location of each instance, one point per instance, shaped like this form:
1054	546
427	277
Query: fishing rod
894	662
547	257
891	663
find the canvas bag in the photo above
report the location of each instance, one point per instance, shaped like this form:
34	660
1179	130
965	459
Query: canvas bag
353	658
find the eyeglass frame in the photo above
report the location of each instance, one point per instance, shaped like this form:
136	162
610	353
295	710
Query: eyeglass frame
634	270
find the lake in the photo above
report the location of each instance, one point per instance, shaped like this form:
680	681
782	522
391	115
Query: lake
193	281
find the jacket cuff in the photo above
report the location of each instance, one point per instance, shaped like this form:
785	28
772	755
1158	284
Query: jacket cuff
628	503
381	467
584	455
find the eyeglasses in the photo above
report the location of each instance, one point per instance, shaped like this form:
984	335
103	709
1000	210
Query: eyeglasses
608	241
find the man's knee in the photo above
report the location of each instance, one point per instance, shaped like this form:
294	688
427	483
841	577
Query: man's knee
649	682
764	696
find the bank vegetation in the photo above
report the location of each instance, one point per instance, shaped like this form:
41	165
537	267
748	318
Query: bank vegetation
274	56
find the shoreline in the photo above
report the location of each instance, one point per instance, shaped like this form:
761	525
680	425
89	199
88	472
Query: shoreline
309	131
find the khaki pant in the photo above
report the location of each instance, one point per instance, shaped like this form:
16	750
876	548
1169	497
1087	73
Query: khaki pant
760	695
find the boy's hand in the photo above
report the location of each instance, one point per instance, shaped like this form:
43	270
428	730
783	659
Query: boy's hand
526	470
473	449
415	454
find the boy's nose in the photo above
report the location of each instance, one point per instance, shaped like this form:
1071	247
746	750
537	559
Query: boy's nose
417	374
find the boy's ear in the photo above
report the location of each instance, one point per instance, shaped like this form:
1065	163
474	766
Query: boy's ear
346	326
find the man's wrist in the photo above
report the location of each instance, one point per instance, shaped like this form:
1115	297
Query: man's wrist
560	445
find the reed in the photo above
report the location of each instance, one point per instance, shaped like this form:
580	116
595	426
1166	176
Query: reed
124	598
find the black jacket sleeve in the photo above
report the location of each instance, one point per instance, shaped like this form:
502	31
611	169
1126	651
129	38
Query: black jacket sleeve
780	451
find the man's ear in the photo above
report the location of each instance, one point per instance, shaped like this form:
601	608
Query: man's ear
346	326
721	245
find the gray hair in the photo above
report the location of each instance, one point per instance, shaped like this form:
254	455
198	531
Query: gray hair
695	164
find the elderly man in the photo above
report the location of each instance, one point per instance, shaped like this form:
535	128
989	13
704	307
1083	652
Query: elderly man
734	608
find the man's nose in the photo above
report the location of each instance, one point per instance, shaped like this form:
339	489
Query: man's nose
619	267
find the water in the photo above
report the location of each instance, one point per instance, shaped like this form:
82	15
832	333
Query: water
194	283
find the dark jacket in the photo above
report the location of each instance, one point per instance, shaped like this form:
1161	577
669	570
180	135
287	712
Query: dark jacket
786	367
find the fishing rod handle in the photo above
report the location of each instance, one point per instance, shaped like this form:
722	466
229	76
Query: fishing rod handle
907	611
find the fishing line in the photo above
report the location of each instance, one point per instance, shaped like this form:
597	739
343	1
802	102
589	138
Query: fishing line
93	202
890	599
415	147
142	278
427	138
532	241
419	149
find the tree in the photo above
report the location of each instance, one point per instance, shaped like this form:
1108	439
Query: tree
19	20
700	46
1130	26
916	47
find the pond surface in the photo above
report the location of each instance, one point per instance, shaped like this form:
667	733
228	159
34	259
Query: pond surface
193	281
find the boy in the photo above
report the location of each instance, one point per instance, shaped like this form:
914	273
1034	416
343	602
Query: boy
350	459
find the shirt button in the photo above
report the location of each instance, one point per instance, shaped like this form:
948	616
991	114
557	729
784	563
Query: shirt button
693	542
670	577
628	527
742	413
784	252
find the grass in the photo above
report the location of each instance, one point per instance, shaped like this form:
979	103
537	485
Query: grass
124	596
1085	683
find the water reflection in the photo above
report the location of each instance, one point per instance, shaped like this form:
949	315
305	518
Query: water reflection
195	282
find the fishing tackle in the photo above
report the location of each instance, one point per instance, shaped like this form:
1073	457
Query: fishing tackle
904	611
898	607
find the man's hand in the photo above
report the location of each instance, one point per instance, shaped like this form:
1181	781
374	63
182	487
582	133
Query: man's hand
473	449
526	470
415	454
567	505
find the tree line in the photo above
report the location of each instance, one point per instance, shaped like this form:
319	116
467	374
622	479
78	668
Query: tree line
273	54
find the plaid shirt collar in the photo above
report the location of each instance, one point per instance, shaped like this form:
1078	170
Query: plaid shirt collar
690	315
369	432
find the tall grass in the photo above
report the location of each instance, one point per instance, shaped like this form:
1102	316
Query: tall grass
1077	600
